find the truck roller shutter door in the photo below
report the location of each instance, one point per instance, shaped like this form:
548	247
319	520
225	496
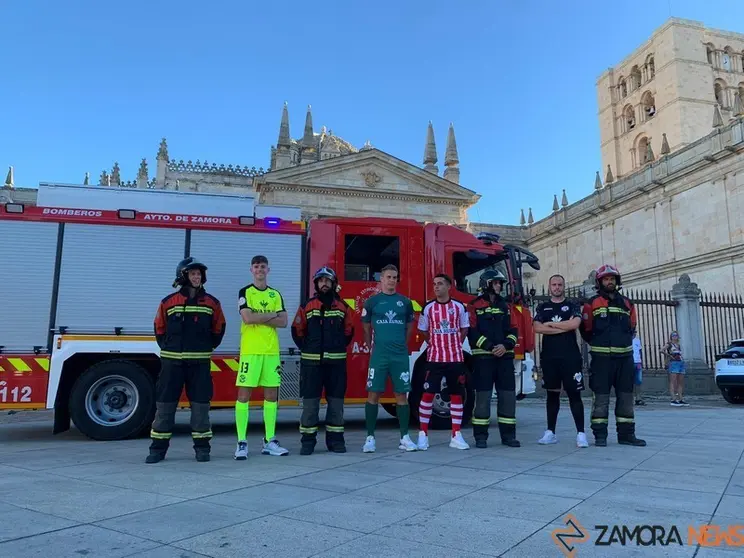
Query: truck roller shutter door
228	257
115	276
27	253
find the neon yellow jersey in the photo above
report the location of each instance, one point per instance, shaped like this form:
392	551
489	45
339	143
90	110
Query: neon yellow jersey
259	339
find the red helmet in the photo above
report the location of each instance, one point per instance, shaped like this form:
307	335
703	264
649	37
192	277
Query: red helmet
607	270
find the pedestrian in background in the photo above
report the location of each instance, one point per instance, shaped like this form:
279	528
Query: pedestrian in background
638	360
676	367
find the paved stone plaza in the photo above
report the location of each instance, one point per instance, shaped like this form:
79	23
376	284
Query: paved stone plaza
76	497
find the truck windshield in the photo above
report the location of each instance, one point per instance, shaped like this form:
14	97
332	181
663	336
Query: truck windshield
469	266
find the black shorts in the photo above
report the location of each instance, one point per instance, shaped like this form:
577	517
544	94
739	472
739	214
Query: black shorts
565	371
490	372
453	372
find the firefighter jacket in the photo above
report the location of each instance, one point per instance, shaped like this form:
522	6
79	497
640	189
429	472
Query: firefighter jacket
490	325
189	328
608	325
521	319
323	332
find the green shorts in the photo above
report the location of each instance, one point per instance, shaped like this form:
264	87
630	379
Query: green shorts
259	371
396	367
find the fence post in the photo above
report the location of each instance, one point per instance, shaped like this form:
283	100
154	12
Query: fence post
689	316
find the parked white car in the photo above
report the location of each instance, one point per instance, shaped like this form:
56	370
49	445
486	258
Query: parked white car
729	372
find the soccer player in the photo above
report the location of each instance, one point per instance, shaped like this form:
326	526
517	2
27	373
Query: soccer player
389	315
444	323
262	310
557	320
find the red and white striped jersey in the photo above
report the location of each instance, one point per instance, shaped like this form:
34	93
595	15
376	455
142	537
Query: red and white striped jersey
443	321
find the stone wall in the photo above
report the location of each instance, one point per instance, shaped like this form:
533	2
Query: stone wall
680	214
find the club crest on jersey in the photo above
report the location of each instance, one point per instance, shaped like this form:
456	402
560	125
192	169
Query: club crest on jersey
578	377
405	376
400	303
272	294
241	301
564	308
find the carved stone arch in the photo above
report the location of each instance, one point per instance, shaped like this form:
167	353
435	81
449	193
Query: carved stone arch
710	53
720	92
641	149
648	106
728	60
629	118
622	87
650	67
636	79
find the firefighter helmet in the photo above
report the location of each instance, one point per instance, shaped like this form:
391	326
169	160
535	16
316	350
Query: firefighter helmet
487	277
607	270
183	268
326	271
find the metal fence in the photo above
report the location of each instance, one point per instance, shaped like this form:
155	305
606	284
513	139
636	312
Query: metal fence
723	321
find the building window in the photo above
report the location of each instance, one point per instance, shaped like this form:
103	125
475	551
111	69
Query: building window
648	103
635	78
629	119
622	86
650	67
643	150
727	60
710	53
366	255
719	90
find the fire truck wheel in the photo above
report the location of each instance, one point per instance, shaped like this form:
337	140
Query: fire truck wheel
113	400
735	396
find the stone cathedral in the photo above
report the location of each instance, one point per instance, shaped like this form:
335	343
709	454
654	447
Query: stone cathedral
669	199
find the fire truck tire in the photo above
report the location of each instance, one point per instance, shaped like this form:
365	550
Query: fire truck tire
735	396
113	400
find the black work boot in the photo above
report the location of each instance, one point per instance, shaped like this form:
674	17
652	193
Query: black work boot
511	442
630	440
155	456
509	435
481	443
335	442
600	435
202	454
308	442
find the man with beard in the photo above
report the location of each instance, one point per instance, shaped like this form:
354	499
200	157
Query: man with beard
609	322
322	330
560	359
189	325
492	339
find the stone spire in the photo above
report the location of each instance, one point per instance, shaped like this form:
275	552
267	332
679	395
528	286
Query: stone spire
104	179
142	174
308	140
530	218
609	178
598	181
717	118
664	145
10	178
556	207
163	151
284	139
451	160
430	151
116	174
367	146
564	199
86	180
738	105
522	220
649	153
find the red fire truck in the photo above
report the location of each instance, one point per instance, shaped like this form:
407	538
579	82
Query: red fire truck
84	284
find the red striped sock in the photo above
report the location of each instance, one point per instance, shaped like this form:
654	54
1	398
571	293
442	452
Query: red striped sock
427	400
456	411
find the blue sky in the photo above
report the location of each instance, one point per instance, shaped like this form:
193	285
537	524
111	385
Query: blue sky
88	83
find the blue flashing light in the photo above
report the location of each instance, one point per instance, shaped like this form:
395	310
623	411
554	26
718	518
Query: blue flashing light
272	221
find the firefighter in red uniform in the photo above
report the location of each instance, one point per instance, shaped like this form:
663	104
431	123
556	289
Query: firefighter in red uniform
492	339
322	330
608	325
189	325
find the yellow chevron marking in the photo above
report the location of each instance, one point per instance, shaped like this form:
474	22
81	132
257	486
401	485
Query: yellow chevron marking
351	302
232	364
19	365
416	306
213	367
44	363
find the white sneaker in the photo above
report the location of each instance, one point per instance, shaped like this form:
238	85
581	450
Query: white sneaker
581	441
369	445
241	453
407	444
548	438
458	442
272	447
423	441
